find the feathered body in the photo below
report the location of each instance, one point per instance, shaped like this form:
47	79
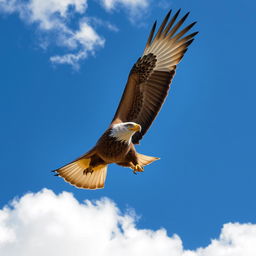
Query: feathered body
146	89
112	149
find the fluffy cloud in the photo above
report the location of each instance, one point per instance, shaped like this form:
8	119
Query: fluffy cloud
53	19
85	38
48	224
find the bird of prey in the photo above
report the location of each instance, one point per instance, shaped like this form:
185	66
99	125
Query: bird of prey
146	89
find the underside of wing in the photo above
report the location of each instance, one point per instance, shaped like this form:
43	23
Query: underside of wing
150	77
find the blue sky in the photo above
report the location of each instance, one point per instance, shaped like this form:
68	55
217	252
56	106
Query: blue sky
205	134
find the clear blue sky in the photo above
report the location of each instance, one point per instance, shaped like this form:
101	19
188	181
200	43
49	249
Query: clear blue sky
204	135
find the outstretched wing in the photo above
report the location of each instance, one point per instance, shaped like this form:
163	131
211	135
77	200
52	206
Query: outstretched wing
150	77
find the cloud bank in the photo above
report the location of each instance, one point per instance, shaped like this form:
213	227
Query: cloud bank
64	23
48	224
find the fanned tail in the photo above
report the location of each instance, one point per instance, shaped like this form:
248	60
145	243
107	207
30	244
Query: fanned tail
145	160
74	174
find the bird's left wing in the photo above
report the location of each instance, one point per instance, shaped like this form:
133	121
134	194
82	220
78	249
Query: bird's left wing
151	75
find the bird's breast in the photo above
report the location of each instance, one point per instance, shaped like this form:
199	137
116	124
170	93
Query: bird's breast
111	150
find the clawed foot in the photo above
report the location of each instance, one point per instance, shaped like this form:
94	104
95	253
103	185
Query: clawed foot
138	168
87	170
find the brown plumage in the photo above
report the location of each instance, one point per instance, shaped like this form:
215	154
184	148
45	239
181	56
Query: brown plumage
146	89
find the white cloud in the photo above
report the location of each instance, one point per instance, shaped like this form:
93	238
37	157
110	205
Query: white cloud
64	23
135	8
53	18
51	14
85	38
111	4
103	23
69	58
48	224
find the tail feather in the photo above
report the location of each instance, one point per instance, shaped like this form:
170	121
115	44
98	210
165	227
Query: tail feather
145	160
73	173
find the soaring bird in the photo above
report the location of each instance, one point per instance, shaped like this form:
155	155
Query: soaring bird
146	89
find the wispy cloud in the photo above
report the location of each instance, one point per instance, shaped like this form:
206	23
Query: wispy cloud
134	8
86	39
53	18
165	4
48	224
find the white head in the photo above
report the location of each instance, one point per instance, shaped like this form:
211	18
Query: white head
124	131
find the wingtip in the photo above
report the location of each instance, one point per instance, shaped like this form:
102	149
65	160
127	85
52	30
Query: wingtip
176	14
193	23
190	42
186	15
168	14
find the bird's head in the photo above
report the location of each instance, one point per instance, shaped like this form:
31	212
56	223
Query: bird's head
124	131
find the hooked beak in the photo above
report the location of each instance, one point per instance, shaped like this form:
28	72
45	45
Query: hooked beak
136	128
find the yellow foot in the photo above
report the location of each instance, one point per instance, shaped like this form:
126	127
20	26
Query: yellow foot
138	168
87	170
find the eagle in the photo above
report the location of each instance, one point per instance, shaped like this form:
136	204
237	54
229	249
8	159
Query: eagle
145	92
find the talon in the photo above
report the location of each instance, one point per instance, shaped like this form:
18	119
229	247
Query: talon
138	168
87	170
